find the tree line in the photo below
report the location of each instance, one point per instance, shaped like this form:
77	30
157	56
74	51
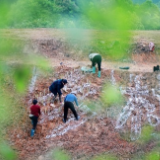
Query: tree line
73	13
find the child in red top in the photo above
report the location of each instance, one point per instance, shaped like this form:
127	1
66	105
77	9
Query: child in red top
35	112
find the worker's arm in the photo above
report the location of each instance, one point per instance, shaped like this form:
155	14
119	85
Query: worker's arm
60	98
59	92
75	99
65	99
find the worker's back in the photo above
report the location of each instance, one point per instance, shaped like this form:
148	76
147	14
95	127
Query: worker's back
35	110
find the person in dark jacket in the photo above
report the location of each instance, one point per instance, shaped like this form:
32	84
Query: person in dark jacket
56	87
96	59
35	112
68	103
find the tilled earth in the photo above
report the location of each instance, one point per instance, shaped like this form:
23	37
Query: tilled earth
93	134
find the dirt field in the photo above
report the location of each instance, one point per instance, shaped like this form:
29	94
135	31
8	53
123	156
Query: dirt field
96	132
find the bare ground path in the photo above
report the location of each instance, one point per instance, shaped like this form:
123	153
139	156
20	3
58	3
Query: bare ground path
139	67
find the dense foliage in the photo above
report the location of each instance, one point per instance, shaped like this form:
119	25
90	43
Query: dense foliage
141	1
72	13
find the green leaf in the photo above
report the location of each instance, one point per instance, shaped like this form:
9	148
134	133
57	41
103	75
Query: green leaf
111	95
60	155
152	156
21	76
146	134
105	157
7	152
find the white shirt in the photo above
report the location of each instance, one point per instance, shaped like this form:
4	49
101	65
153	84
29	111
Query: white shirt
92	55
151	45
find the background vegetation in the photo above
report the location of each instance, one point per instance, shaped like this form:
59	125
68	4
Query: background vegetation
120	16
70	13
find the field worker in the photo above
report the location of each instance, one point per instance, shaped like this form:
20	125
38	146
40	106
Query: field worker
96	58
151	46
68	103
35	111
56	87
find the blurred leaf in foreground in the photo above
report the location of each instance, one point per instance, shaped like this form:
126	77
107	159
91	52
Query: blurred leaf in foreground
7	152
146	134
105	157
21	76
5	109
154	155
60	155
111	95
112	19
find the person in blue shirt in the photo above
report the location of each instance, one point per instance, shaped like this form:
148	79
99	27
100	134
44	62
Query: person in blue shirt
56	87
68	103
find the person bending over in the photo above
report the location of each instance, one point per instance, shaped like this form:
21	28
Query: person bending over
68	103
56	87
96	59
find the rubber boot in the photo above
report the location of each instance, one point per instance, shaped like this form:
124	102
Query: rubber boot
93	69
99	74
32	132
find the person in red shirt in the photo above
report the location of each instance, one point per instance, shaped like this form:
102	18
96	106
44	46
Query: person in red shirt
151	46
35	112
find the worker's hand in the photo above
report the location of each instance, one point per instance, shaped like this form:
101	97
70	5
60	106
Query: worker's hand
61	103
